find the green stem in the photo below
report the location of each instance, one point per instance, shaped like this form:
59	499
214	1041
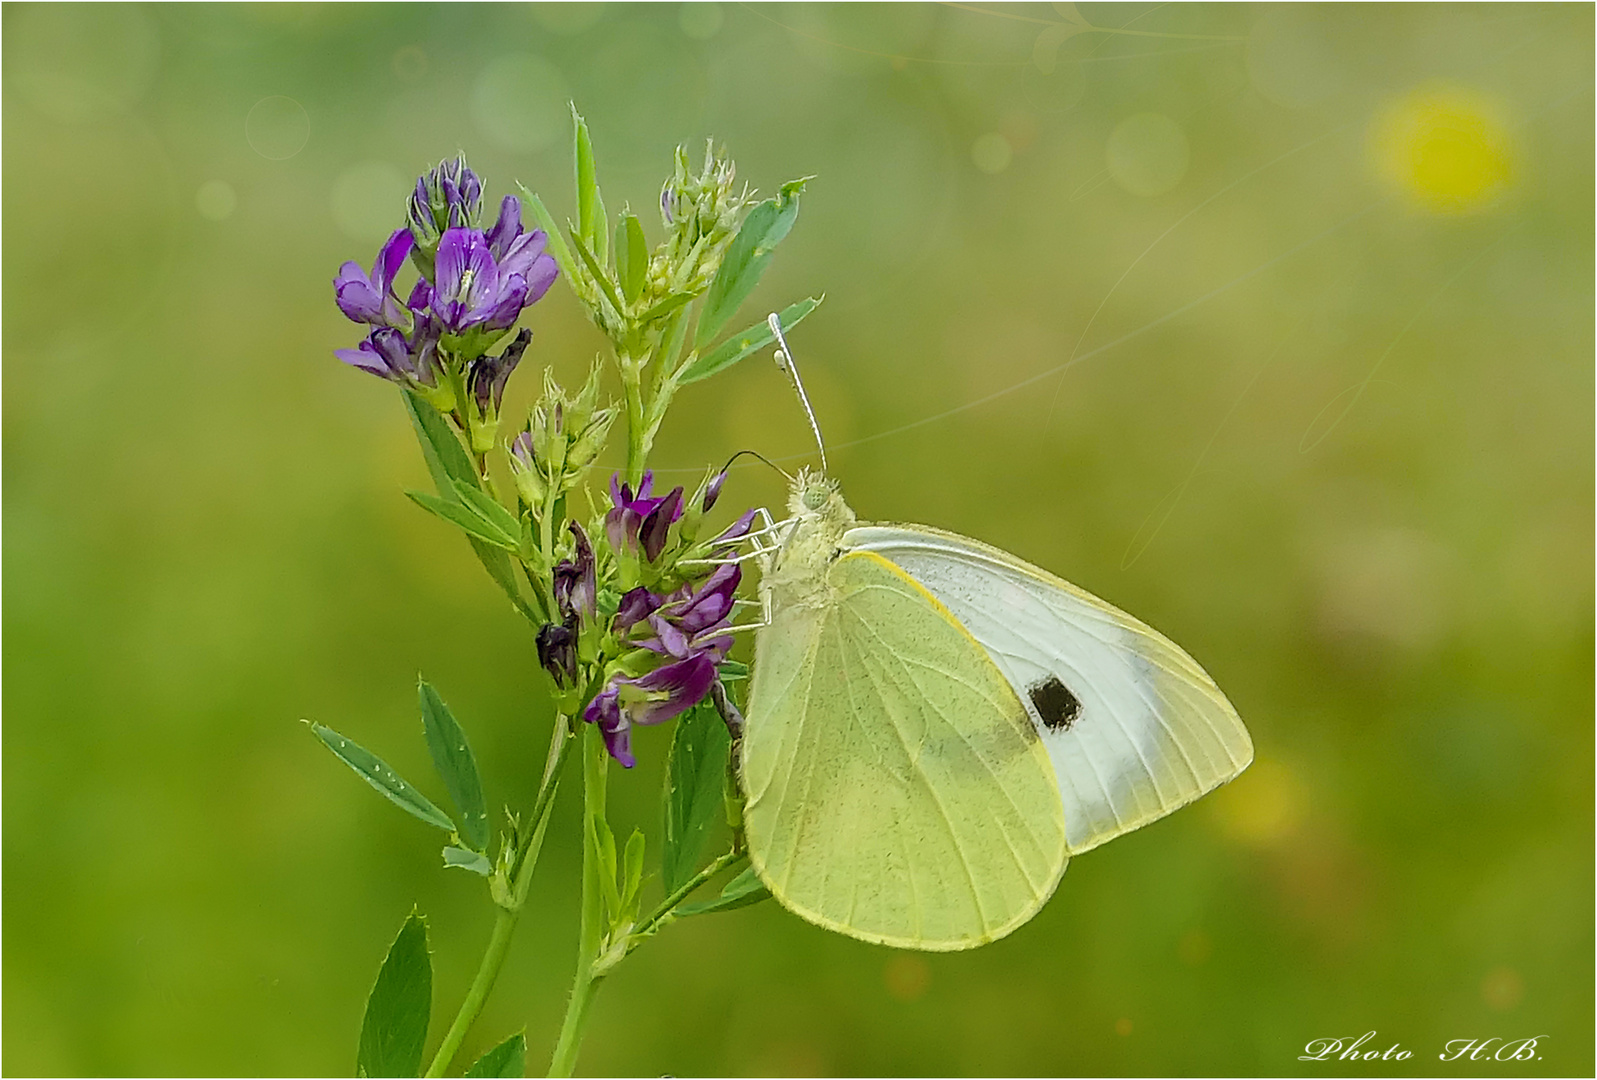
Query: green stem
632	379
591	933
547	546
505	921
492	960
670	903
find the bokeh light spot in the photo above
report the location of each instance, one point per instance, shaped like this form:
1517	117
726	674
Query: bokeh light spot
1502	989
1123	1026
277	127
216	200
1445	147
369	199
1147	154
700	21
1262	806
992	153
80	62
519	103
906	977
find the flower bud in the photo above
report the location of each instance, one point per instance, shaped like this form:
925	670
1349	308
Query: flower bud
530	483
591	441
485	381
447	196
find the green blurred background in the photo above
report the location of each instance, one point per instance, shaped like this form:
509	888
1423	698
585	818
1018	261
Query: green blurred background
1331	269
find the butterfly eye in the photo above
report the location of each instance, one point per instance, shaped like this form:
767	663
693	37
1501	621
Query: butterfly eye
815	496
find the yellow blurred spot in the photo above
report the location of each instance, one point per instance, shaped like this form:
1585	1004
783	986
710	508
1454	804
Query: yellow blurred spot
1263	805
992	153
1445	147
1123	1026
906	977
1502	989
1194	947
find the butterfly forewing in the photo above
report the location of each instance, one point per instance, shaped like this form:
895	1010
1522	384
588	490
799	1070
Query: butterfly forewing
1134	727
897	790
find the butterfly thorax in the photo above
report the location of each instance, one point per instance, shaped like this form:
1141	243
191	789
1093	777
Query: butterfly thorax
796	572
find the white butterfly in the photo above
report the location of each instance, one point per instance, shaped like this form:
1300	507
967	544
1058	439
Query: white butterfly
935	726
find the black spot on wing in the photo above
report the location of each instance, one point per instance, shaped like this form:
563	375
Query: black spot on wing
1055	704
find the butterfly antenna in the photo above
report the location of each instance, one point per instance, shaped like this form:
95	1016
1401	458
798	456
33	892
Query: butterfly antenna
762	457
784	360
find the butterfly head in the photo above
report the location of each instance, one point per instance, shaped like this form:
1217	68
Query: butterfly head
815	496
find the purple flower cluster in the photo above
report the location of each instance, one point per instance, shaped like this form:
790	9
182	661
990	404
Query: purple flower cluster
687	628
471	281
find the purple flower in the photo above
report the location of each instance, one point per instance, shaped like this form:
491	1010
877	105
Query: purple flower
488	375
712	492
471	287
466	288
389	354
654	698
522	253
689	622
641	518
369	298
733	532
576	584
637	605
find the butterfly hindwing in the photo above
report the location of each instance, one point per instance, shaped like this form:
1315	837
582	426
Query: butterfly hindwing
897	790
1134	727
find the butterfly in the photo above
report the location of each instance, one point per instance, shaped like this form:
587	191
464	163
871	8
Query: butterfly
935	726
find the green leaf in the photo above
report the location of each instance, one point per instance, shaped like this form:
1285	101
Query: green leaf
745	261
489	509
461	859
556	244
751	340
696	765
674	336
731	670
446	458
597	273
666	307
508	1059
601	232
395	1029
448	461
457	767
741	891
468	520
632	876
632	257
380	775
607	871
588	203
